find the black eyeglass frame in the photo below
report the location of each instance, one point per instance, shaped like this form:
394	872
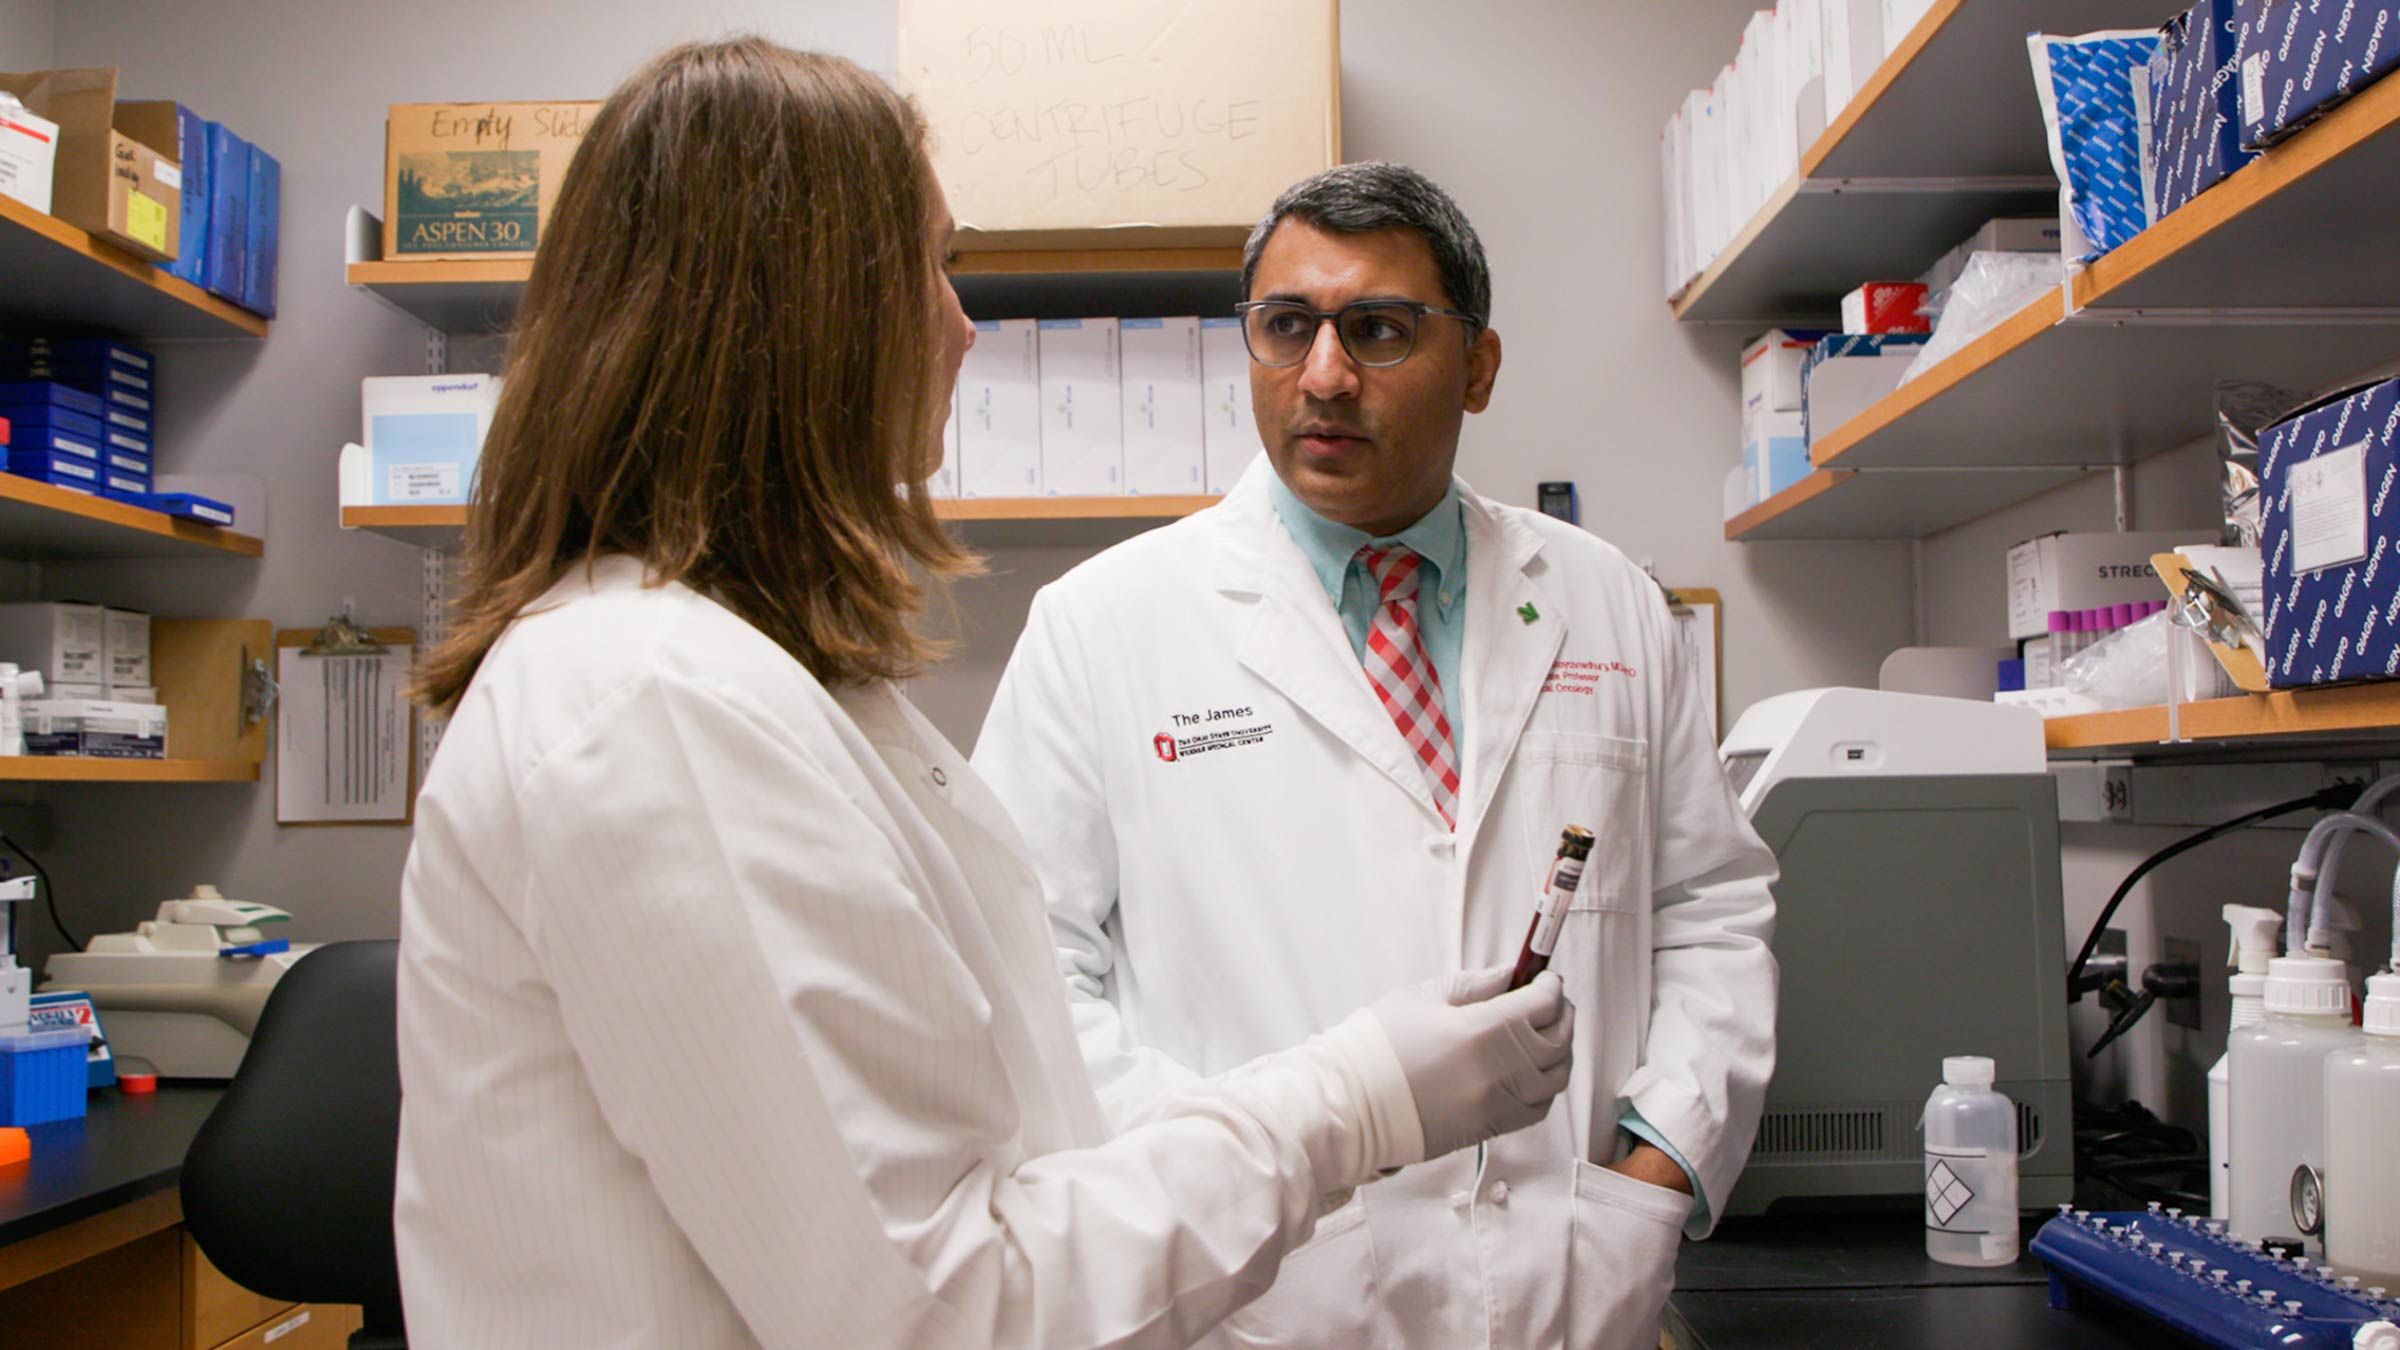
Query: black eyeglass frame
1333	316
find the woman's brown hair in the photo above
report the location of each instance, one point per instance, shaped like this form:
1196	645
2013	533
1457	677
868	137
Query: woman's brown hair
726	365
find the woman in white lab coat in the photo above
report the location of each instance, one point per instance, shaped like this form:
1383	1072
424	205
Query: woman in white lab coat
728	1011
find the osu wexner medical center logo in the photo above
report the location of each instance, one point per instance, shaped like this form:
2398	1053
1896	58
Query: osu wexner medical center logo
1215	729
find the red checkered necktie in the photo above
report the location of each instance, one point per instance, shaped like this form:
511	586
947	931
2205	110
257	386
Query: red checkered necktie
1403	675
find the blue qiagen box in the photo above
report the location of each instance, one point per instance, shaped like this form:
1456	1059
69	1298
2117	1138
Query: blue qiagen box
2195	106
2299	58
2330	535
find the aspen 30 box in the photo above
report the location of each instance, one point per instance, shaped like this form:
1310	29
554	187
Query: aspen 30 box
95	728
2330	537
475	180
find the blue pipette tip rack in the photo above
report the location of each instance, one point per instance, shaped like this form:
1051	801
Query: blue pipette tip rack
2187	1272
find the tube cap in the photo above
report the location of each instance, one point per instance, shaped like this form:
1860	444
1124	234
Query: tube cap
2383	1005
2307	986
1967	1071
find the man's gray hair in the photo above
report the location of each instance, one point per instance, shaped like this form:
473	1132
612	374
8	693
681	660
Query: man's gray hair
1360	198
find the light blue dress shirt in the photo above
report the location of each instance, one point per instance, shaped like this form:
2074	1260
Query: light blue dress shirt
1440	538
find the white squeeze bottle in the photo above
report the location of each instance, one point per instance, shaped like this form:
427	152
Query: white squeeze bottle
2279	1098
1970	1167
2362	1170
2254	940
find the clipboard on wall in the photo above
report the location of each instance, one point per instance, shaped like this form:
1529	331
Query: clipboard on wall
345	732
1700	615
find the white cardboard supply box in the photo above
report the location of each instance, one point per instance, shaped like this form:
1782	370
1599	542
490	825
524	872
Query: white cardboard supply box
1083	412
944	480
28	155
2085	571
1000	411
66	644
96	728
1229	435
1159	373
1771	372
125	644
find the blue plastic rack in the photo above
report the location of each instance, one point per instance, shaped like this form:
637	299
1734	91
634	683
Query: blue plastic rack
2188	1273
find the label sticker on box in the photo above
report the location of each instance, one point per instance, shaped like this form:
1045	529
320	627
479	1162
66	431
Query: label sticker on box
2254	88
424	482
146	221
169	174
2329	509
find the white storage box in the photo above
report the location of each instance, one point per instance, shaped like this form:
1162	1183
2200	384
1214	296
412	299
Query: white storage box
1083	418
28	155
1159	373
1230	437
95	728
66	644
2073	572
1000	412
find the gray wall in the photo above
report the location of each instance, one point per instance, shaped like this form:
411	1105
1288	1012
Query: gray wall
1542	123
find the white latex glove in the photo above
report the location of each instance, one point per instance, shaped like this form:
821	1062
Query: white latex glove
1479	1061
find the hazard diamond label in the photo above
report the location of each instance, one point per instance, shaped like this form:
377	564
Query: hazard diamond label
1945	1194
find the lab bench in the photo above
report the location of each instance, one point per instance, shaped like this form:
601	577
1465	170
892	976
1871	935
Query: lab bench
1863	1282
93	1252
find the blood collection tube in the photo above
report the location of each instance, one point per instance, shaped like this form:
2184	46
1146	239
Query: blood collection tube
1550	911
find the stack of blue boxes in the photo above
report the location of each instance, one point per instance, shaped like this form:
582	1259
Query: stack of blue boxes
80	411
2301	58
232	205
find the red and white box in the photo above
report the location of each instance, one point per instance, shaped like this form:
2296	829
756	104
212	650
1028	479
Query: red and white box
1886	307
28	153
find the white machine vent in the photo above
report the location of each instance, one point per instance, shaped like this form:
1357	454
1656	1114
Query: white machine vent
1839	1133
2029	1129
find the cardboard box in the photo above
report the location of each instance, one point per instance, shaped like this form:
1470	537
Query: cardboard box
226	269
2069	572
2002	234
115	174
1881	307
475	180
1090	116
2195	105
1771	367
1847	372
95	728
2330	534
424	435
1000	411
1159	374
63	642
190	148
2300	58
125	646
28	155
1229	438
1083	415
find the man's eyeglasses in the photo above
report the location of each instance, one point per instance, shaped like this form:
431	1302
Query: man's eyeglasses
1374	332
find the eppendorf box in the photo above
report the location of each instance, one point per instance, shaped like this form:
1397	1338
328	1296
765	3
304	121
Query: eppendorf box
1083	418
1159	370
475	180
1000	411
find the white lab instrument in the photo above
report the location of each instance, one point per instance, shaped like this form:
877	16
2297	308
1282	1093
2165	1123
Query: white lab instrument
1970	1167
1835	733
2362	1173
2278	1093
2253	947
183	990
16	982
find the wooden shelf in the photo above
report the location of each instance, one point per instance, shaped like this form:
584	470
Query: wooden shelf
440	526
40	522
1901	176
482	296
55	278
2350	712
64	769
2253	279
1900	504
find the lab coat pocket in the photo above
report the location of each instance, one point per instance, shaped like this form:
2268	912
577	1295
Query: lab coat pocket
1597	782
1324	1293
1625	1237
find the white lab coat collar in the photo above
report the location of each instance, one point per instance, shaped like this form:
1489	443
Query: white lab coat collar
1295	640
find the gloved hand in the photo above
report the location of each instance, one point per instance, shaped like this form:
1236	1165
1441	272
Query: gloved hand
1480	1062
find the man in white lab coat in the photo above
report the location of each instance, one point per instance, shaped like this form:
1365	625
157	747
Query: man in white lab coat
1322	738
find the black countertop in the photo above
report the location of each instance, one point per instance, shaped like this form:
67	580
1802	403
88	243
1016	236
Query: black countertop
1863	1282
126	1148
